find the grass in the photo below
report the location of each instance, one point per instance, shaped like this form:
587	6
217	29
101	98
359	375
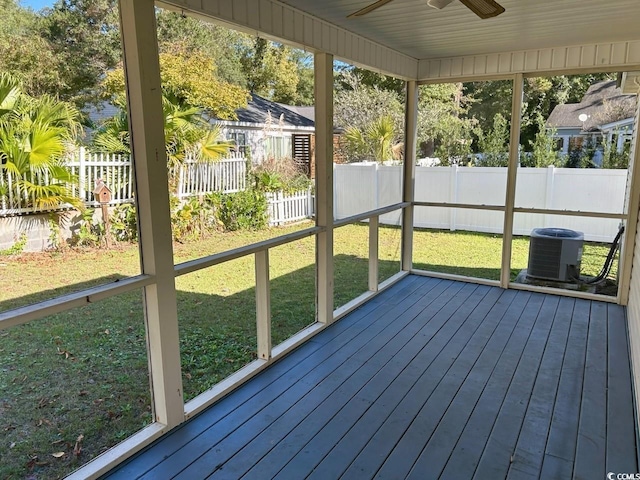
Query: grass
76	383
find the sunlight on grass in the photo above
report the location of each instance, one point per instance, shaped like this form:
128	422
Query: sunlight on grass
293	288
460	253
101	390
72	386
389	251
216	317
350	263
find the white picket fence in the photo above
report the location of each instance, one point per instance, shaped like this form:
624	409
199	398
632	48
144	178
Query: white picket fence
195	178
290	207
114	169
226	176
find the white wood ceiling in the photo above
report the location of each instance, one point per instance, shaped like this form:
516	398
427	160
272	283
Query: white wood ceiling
414	29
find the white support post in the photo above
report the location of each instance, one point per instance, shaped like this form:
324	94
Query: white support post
376	186
409	172
263	305
512	173
374	223
144	96
632	209
323	66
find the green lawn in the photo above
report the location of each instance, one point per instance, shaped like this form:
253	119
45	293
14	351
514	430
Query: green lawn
76	383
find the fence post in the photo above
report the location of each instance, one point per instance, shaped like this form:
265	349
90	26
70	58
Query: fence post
453	196
82	177
3	206
336	207
280	203
181	180
310	211
548	199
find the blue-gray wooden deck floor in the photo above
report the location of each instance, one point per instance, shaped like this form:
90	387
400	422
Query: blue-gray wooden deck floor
431	379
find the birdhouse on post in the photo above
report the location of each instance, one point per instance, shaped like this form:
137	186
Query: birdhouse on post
102	193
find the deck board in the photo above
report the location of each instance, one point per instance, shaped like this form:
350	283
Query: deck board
430	379
370	380
592	426
560	450
620	432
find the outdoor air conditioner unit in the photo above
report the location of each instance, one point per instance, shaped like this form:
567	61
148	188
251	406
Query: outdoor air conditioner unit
555	254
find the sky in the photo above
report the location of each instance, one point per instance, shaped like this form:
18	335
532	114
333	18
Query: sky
37	4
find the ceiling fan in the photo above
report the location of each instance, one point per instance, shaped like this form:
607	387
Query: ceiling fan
482	8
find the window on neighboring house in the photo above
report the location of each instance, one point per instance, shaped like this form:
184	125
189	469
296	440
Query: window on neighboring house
278	146
576	143
240	139
559	144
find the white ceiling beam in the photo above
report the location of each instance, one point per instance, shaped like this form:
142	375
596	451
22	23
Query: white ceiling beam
276	21
581	58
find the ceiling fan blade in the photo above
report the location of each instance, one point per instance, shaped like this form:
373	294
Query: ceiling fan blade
370	8
439	4
484	8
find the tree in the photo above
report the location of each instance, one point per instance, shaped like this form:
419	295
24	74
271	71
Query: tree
221	45
360	106
488	99
85	37
612	158
376	141
444	129
543	152
277	72
186	134
493	145
188	78
34	135
25	53
376	80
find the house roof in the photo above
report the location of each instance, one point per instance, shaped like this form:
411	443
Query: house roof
259	108
305	111
603	103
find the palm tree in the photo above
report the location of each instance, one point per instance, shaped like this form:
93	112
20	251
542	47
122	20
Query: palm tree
187	135
377	140
34	135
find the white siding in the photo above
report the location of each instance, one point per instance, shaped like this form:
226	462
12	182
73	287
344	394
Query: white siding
544	60
633	307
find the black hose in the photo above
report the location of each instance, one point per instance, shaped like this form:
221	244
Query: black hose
606	268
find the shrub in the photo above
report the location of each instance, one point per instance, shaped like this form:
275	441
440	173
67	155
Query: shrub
192	219
91	231
124	223
17	248
276	174
246	210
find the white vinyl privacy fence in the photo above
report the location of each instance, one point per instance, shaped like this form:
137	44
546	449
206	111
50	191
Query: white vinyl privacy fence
363	187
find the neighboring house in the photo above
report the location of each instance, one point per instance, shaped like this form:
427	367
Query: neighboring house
96	116
263	129
268	129
603	114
